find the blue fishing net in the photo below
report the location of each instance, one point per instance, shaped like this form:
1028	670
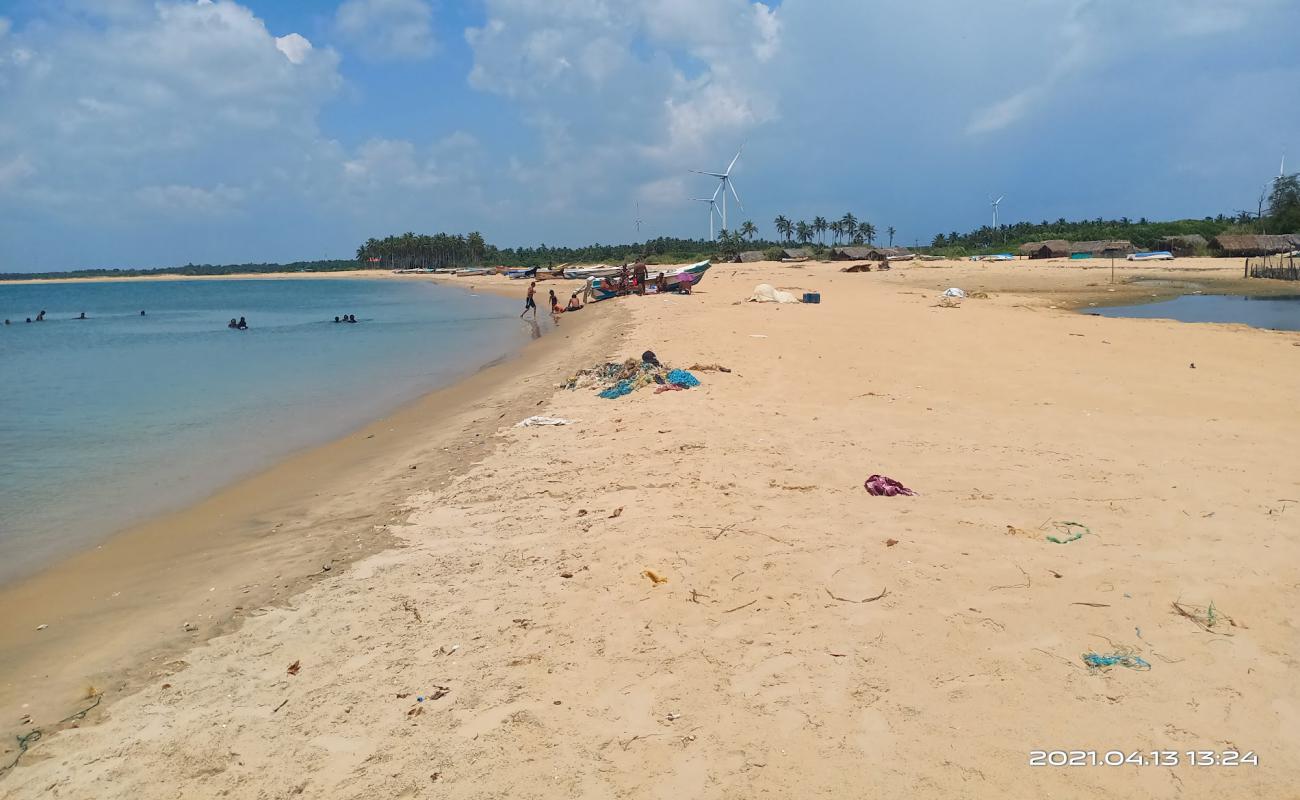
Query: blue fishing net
681	377
1125	658
618	390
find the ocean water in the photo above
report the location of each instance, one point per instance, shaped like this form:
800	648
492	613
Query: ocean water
112	419
1276	313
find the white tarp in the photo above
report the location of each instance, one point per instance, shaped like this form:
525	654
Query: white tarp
765	293
537	421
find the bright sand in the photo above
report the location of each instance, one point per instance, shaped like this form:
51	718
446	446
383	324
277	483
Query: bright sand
765	666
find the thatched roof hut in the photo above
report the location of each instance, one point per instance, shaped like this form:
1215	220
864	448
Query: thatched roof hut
798	252
1052	248
851	254
1252	244
1188	245
750	256
1102	246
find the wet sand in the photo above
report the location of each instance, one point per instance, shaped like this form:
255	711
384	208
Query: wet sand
119	613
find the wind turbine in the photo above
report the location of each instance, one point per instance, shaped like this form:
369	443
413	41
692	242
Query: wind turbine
713	208
725	183
638	216
995	203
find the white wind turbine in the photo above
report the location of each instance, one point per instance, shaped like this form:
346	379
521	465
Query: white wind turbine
713	208
995	204
724	183
638	216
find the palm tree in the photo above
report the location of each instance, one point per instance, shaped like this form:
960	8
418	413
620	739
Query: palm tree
803	232
783	227
820	226
748	229
848	223
868	231
890	230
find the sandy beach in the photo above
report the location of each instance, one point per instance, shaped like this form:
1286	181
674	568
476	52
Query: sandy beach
496	634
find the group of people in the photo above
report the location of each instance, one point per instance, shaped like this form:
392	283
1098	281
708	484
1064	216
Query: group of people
40	317
346	318
240	325
530	303
635	280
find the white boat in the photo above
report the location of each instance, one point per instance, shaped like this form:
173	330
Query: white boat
597	271
1158	255
465	272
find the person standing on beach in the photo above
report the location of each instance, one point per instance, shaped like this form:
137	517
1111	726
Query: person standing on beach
530	302
639	276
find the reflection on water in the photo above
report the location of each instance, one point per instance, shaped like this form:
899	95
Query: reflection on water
1275	313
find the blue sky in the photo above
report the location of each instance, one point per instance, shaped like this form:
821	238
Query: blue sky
159	132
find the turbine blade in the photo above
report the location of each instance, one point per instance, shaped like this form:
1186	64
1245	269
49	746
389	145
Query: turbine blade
999	200
715	191
732	184
711	174
734	160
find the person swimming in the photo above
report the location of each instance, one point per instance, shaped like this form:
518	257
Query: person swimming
243	324
337	320
232	324
83	315
41	316
6	322
352	317
142	313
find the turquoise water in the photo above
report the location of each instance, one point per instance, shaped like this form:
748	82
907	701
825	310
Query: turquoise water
111	419
1276	313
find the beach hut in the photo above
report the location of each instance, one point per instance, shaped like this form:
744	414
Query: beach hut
1053	248
1188	245
1252	244
1102	247
850	253
799	252
879	253
750	257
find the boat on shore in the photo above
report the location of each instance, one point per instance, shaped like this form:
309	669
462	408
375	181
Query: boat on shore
519	274
597	271
1157	255
601	288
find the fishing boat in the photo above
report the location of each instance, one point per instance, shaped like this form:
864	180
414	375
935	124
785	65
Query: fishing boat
673	277
467	272
597	271
518	274
1156	255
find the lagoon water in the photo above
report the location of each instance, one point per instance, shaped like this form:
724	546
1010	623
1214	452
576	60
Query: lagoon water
108	420
1276	313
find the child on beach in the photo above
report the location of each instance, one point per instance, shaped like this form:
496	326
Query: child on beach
530	303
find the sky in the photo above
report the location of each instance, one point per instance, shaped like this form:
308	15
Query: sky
146	133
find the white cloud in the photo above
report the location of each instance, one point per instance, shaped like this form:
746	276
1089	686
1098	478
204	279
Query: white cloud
136	109
296	48
186	200
621	90
5	25
387	30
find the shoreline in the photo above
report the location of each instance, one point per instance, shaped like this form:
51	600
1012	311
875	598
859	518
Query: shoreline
253	543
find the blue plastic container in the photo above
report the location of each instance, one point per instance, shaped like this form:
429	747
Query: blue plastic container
812	297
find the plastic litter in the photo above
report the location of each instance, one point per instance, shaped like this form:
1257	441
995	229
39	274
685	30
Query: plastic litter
766	293
954	292
1123	656
882	486
533	422
1070	532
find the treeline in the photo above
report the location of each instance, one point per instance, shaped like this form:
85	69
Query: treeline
1142	233
443	250
331	265
1282	205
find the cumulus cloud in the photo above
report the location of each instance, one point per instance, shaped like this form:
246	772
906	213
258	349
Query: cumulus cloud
626	87
387	30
